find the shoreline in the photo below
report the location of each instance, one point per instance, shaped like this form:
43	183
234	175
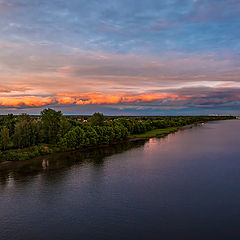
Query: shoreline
157	133
164	132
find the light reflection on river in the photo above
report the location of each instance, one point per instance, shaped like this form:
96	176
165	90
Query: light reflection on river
183	185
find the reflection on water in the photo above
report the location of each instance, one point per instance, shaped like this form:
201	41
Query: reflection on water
20	170
183	186
45	164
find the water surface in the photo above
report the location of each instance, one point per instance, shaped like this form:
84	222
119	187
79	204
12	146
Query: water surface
184	185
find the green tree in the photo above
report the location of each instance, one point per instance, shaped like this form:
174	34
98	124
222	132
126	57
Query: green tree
91	136
81	136
51	121
27	131
97	119
4	138
9	122
22	134
73	139
105	134
35	132
118	133
64	126
24	117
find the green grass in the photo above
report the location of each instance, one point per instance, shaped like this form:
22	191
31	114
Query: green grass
155	132
24	154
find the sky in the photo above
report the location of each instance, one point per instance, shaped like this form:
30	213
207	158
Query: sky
120	57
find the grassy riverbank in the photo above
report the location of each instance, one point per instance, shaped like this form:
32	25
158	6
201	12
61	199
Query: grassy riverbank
155	133
26	153
32	152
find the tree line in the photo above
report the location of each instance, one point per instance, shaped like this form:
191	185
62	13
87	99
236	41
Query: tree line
52	128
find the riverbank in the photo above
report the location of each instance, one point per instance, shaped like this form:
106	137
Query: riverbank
36	151
161	132
154	133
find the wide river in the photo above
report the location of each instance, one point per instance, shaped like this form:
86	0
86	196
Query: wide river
183	186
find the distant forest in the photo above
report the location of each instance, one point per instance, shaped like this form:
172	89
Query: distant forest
24	136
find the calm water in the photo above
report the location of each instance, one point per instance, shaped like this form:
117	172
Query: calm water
185	185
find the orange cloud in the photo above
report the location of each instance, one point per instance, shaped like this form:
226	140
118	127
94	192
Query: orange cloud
66	100
25	101
84	99
100	98
172	98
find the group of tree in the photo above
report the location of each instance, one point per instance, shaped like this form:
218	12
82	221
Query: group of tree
96	132
53	128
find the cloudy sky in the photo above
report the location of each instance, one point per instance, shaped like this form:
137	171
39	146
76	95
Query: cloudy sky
127	57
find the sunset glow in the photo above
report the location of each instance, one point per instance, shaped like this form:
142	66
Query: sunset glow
162	57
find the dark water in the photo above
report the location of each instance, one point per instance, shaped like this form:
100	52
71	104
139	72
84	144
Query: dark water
184	186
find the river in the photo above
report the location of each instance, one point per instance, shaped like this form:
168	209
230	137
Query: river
186	185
